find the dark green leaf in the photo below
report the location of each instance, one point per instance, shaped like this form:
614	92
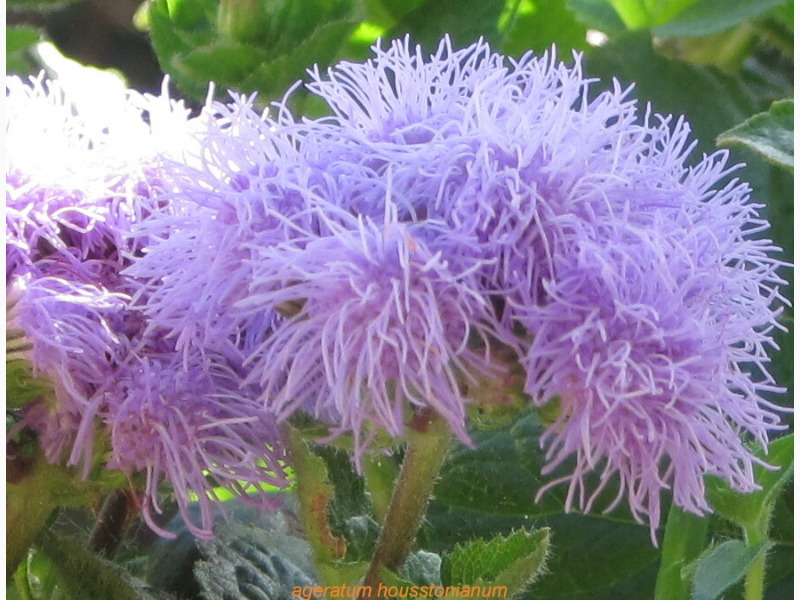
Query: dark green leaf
464	20
499	476
248	563
594	558
770	134
674	87
225	63
538	24
386	13
81	574
597	14
722	566
710	16
422	568
274	76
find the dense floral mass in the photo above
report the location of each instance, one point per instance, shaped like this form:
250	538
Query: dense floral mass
362	266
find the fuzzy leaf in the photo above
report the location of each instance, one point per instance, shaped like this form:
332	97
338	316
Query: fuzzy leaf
81	574
253	564
722	566
512	561
422	568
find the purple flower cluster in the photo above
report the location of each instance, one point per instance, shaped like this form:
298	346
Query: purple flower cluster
122	397
370	264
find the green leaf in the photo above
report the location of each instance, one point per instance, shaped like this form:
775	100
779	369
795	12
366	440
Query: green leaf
597	14
20	38
722	566
464	20
512	561
745	509
711	16
225	63
538	24
770	134
684	540
22	387
500	476
674	87
638	14
272	78
81	574
252	563
594	558
422	568
196	47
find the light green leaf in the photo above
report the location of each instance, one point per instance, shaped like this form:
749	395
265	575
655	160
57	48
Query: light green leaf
770	134
711	16
511	561
22	387
722	566
20	38
639	14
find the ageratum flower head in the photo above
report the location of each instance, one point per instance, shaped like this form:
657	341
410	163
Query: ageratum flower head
638	279
247	186
381	324
352	258
194	429
72	179
76	188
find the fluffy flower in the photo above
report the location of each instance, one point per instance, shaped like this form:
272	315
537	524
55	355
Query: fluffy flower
353	258
193	429
640	283
381	325
248	186
70	330
76	188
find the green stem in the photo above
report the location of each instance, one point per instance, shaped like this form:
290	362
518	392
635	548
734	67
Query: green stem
755	534
428	439
684	540
380	473
109	528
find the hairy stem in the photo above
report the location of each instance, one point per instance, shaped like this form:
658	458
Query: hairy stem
111	523
429	437
756	534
